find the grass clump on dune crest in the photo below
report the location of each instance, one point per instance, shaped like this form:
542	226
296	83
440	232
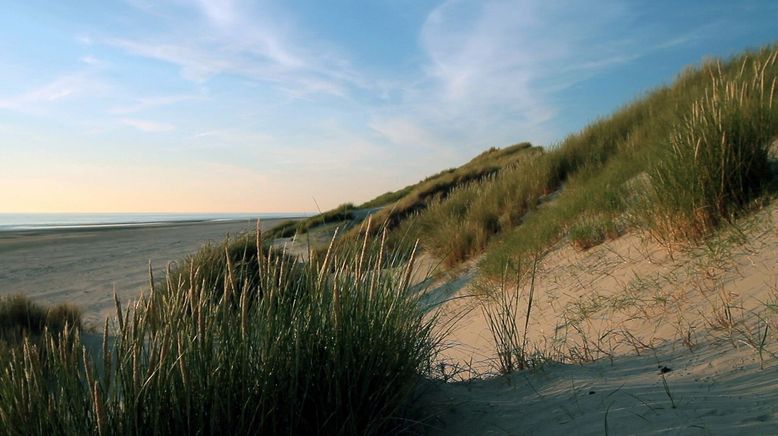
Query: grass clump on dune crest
461	224
335	346
490	161
491	209
290	228
417	198
591	231
234	262
20	317
676	163
717	159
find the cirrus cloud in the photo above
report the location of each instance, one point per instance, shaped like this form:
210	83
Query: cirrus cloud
148	126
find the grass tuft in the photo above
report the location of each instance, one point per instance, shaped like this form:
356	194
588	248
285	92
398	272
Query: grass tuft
677	163
590	231
334	346
502	313
288	229
717	161
20	317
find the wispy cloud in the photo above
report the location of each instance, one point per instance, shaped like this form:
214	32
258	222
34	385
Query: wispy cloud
488	72
144	103
237	140
304	97
244	41
405	132
208	133
64	87
479	78
493	68
84	40
195	64
220	12
91	60
148	126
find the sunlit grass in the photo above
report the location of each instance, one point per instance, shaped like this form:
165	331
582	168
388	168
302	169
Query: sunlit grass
677	163
20	317
335	346
717	159
291	228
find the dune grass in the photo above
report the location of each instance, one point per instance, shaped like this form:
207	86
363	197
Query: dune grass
387	198
417	198
590	231
463	223
473	219
683	160
20	317
508	328
677	163
232	262
335	346
290	228
717	159
488	162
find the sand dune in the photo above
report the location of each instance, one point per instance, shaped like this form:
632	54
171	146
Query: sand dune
716	390
638	340
611	317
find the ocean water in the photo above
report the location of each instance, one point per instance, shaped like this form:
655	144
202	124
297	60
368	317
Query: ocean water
40	221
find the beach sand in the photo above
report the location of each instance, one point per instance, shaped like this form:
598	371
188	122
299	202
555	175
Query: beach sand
84	266
635	338
637	342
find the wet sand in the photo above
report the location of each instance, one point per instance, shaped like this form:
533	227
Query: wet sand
85	266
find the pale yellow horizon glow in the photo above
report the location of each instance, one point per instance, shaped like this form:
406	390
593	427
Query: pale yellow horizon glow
73	187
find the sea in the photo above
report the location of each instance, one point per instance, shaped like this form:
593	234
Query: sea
53	221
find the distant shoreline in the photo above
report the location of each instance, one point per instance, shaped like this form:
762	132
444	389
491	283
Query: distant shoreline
84	266
45	223
124	226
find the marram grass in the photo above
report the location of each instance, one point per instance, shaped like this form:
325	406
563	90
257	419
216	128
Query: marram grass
20	317
677	163
717	159
335	346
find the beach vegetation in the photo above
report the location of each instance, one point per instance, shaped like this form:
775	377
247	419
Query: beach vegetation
488	162
676	164
234	261
715	161
290	228
21	317
417	198
332	346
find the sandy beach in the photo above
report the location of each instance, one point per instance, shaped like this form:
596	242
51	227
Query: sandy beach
84	266
630	330
637	342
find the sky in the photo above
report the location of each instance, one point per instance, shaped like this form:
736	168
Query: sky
299	105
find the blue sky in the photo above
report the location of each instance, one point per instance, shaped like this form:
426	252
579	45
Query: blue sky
230	105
